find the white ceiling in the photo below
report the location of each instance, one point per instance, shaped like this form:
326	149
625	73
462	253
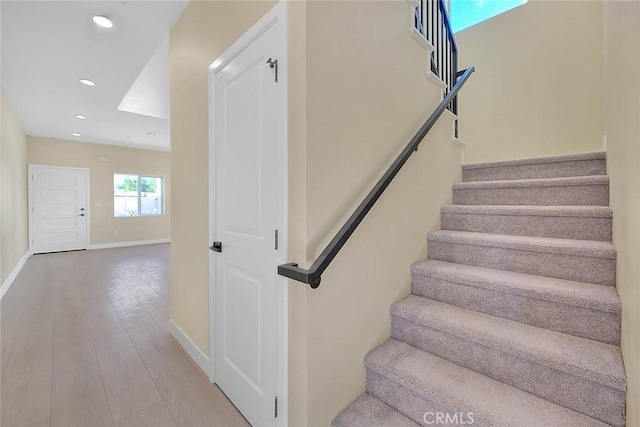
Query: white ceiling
47	46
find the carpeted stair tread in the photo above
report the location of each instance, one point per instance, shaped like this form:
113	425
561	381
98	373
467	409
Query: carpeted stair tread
591	360
536	182
367	411
580	294
565	191
546	167
458	389
583	248
525	210
566	222
538	160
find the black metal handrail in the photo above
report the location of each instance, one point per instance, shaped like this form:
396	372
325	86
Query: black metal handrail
313	275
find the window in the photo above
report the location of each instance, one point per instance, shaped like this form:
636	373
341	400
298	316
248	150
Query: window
465	13
135	195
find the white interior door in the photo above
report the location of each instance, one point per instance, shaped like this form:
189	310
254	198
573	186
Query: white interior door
58	209
248	128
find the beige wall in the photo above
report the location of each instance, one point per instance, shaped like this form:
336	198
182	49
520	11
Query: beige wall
536	91
13	187
622	126
103	226
346	125
367	94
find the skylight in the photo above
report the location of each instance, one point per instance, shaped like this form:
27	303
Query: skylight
465	13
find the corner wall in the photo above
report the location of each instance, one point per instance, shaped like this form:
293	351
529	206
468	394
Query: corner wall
103	226
536	90
621	64
13	191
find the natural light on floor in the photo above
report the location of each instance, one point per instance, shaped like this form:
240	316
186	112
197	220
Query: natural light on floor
465	13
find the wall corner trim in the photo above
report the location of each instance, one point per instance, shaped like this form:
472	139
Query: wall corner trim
14	273
436	80
457	141
422	40
192	350
125	244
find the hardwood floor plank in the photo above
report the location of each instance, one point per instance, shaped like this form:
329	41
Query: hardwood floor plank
162	316
73	350
79	399
31	355
72	345
188	395
156	415
230	406
127	383
43	423
152	343
25	400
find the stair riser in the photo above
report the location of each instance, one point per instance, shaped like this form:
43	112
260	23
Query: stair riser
582	322
570	195
596	400
540	170
579	268
581	228
409	403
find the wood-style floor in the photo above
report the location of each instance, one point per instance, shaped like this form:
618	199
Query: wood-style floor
85	344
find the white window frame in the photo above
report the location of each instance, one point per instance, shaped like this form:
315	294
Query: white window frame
140	176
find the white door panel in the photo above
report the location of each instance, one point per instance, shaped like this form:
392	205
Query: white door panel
247	133
59	209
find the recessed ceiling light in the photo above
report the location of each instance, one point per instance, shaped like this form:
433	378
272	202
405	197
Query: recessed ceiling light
102	21
79	117
75	134
87	82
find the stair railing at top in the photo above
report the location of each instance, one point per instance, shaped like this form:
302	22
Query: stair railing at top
313	275
432	22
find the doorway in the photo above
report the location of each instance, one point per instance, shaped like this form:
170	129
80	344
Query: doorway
58	214
247	213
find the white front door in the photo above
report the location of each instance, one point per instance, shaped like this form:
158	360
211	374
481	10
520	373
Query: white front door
248	131
58	209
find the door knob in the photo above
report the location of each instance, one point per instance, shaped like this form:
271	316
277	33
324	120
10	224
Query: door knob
216	247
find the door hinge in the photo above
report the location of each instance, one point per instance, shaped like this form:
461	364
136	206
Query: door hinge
273	64
276	239
275	407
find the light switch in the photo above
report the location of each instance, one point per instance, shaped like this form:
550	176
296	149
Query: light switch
98	204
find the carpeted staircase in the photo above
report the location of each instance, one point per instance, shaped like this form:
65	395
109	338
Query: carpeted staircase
514	319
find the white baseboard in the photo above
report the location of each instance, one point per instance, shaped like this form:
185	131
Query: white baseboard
194	352
14	273
125	244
